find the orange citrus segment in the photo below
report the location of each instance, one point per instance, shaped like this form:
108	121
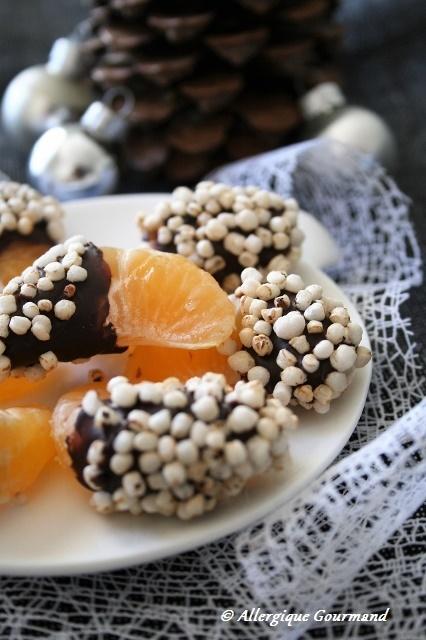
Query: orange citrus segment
26	445
17	256
12	389
157	363
22	392
163	299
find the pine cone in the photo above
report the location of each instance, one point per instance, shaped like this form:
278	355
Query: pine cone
214	80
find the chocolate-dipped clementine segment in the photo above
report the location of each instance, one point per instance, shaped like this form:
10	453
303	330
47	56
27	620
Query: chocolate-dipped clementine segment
302	345
168	447
224	229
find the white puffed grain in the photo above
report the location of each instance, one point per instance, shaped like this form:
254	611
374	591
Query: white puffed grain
7	304
343	358
241	361
315	311
133	484
76	274
55	271
48	360
242	419
293	376
181	424
310	363
160	421
120	463
91	403
124	395
363	357
282	392
30	309
323	349
259	373
64	309
335	333
149	462
166	448
20	325
187	452
294	283
174	473
290	325
123	441
206	409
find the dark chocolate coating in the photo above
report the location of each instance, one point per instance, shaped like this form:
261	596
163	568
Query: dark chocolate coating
86	432
269	362
78	444
85	334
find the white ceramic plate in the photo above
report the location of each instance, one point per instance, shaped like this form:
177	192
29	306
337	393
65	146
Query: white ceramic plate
56	533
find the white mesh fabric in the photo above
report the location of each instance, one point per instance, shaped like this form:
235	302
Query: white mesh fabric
343	544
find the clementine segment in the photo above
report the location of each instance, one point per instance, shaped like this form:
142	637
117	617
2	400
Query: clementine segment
157	363
163	299
13	389
26	446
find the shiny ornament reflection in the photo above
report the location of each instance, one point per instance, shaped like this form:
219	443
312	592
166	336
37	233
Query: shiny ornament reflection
68	164
71	161
47	95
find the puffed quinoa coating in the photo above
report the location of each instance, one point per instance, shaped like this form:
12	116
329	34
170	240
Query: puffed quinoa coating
25	211
303	347
179	461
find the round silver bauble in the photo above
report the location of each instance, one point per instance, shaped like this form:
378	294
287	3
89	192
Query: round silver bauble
329	116
71	162
67	163
47	95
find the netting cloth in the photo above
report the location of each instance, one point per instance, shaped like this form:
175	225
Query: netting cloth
342	544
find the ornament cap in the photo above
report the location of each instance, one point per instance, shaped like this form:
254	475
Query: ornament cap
66	58
323	99
106	121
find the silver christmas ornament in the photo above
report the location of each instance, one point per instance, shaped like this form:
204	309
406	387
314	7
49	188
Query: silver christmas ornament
43	96
329	116
71	162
